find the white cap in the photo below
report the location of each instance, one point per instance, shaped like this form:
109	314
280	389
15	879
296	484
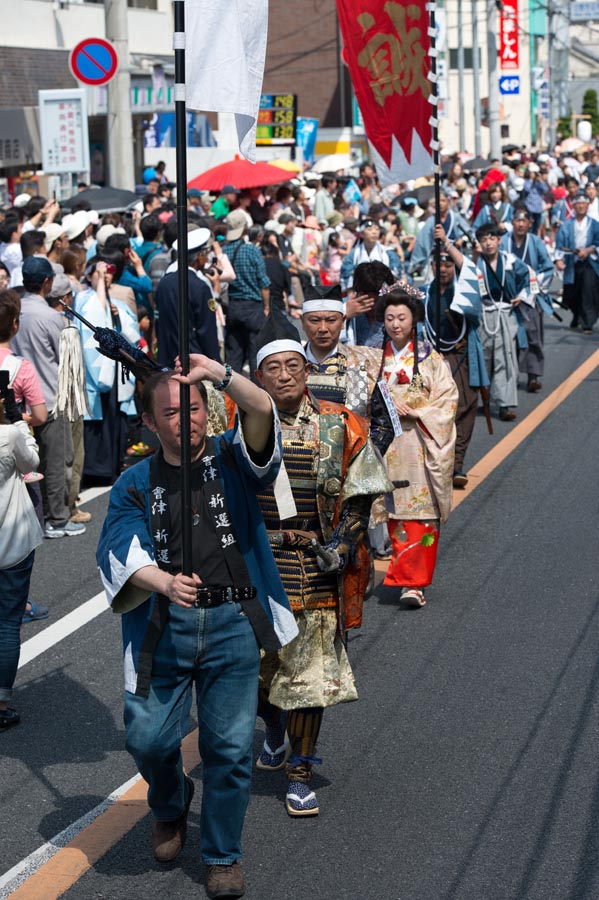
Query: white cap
75	223
52	232
21	200
106	231
195	239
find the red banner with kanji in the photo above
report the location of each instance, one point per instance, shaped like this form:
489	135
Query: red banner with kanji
386	47
509	44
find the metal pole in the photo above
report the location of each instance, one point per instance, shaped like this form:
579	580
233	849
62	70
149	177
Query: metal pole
551	76
475	77
120	131
461	76
493	72
182	281
434	100
342	81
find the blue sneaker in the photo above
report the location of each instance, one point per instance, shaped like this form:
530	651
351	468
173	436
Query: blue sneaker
276	750
65	529
72	529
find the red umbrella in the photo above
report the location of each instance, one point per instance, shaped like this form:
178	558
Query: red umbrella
240	173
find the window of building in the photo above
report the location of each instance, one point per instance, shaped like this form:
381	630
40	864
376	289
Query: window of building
132	4
468	57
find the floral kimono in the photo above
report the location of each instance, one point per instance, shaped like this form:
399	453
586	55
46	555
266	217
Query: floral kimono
423	456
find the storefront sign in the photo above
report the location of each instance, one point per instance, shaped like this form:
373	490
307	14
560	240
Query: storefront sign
509	44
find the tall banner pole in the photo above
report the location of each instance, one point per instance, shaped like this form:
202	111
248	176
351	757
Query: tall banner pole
182	281
434	123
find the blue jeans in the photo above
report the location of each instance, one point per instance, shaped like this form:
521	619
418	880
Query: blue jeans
217	651
14	590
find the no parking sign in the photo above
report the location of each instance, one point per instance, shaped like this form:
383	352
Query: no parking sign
93	61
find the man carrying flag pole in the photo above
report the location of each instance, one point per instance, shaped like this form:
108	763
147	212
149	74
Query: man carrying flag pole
183	554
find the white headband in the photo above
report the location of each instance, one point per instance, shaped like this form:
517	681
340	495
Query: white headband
323	305
284	345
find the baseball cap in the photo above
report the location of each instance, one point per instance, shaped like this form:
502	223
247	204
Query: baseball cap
61	286
37	269
229	189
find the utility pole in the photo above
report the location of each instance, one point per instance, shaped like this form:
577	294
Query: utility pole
475	77
551	76
461	76
493	69
120	130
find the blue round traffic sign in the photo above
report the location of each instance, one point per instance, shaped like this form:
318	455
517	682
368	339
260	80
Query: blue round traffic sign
93	61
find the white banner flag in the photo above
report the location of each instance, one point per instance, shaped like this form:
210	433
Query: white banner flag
225	47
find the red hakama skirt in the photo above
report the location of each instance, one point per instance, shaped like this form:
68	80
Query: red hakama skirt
414	545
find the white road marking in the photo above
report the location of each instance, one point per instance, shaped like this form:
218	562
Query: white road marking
15	877
91	493
63	628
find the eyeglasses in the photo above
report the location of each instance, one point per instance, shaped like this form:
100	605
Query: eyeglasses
293	367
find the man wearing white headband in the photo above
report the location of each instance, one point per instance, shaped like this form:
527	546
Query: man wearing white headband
317	541
338	372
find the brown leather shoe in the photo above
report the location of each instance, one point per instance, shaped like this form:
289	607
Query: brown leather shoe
224	881
506	414
533	386
168	838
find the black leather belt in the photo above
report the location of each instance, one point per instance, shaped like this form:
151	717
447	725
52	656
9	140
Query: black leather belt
207	597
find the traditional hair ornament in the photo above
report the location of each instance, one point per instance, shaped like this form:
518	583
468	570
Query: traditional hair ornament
415	390
408	289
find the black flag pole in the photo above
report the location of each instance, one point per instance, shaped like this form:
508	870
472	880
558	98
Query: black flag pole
434	123
182	281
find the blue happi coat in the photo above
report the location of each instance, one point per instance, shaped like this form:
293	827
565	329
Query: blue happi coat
463	297
514	277
536	256
126	545
566	241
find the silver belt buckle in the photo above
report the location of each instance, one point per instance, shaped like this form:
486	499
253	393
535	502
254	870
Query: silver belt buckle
230	594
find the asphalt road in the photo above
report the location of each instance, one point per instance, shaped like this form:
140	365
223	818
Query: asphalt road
468	768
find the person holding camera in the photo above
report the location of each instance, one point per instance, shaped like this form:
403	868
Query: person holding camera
109	397
205	628
20	534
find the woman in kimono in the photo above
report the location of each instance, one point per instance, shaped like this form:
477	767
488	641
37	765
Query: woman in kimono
424	396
